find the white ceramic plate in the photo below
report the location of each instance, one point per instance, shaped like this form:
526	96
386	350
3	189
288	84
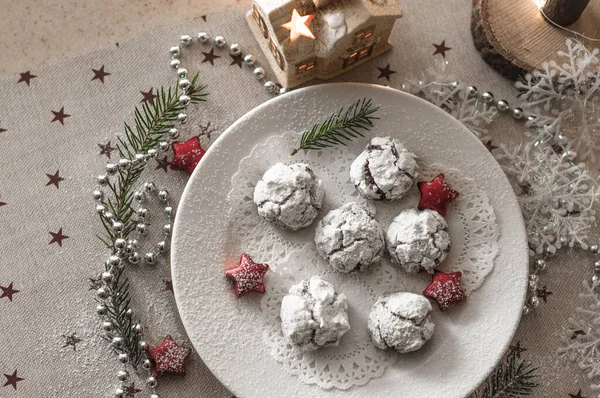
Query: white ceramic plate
226	331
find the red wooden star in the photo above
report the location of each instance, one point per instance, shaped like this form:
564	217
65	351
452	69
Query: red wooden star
162	163
187	155
385	72
237	60
57	237
578	395
148	96
26	77
54	179
436	195
210	57
445	289
8	291
248	276
60	116
100	74
12	380
441	49
169	358
106	149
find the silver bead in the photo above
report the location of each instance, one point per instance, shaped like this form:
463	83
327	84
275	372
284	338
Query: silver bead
185	40
541	264
129	249
100	209
531	118
235	49
182	118
114	261
151	153
154	396
563	240
102	293
471	91
169	211
259	73
123	358
129	312
134	258
151	381
454	85
282	91
164	146
175	63
146	365
122	375
220	41
140	158
270	86
101	310
597	265
107	326
102	180
150	258
184	100
150	187
173	133
141	228
203	37
175	51
595	279
117	341
120	243
533	282
98	195
526	309
249	59
108	215
124	164
139	196
167	229
139	328
133	242
594	249
117	226
184	84
163	195
533	302
182	72
142	213
162	246
108	277
119	393
517	113
561	137
550	250
487	97
143	345
570	154
503	105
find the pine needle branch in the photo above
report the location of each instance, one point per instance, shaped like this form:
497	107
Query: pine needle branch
339	127
512	378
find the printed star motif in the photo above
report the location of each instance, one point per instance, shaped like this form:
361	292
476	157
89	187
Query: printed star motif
298	26
71	341
578	395
517	349
168	285
12	380
2	130
441	49
206	130
60	116
106	149
95	282
445	289
210	57
247	276
490	147
8	292
436	195
26	77
543	293
187	155
148	95
2	204
237	60
54	179
162	163
57	237
169	358
100	74
385	72
130	390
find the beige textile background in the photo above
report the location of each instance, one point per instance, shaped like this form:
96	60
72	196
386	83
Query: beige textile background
54	299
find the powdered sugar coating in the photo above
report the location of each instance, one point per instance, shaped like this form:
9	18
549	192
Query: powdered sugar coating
418	240
289	195
314	315
385	170
349	237
401	321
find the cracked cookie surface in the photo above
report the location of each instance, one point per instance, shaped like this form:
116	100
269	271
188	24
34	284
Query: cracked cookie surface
418	240
349	237
314	315
289	196
385	170
401	321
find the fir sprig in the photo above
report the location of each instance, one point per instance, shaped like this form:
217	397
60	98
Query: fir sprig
152	122
511	378
340	127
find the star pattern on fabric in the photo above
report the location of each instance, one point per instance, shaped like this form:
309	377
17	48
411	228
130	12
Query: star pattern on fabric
106	149
2	203
490	147
100	74
187	155
206	130
131	390
54	179
148	96
578	395
445	289
436	195
247	276
162	163
385	72
2	130
210	56
60	116
517	349
237	60
26	77
12	380
95	282
543	293
298	26
441	49
168	285
8	292
71	341
169	358
58	237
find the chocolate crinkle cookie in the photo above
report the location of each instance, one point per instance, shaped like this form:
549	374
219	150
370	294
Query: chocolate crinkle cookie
289	196
349	237
401	321
385	170
314	315
418	240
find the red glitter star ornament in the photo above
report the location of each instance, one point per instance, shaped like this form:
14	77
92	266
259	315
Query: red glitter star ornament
436	195
247	276
169	357
445	289
187	155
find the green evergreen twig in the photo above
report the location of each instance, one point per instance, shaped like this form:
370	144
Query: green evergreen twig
512	378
